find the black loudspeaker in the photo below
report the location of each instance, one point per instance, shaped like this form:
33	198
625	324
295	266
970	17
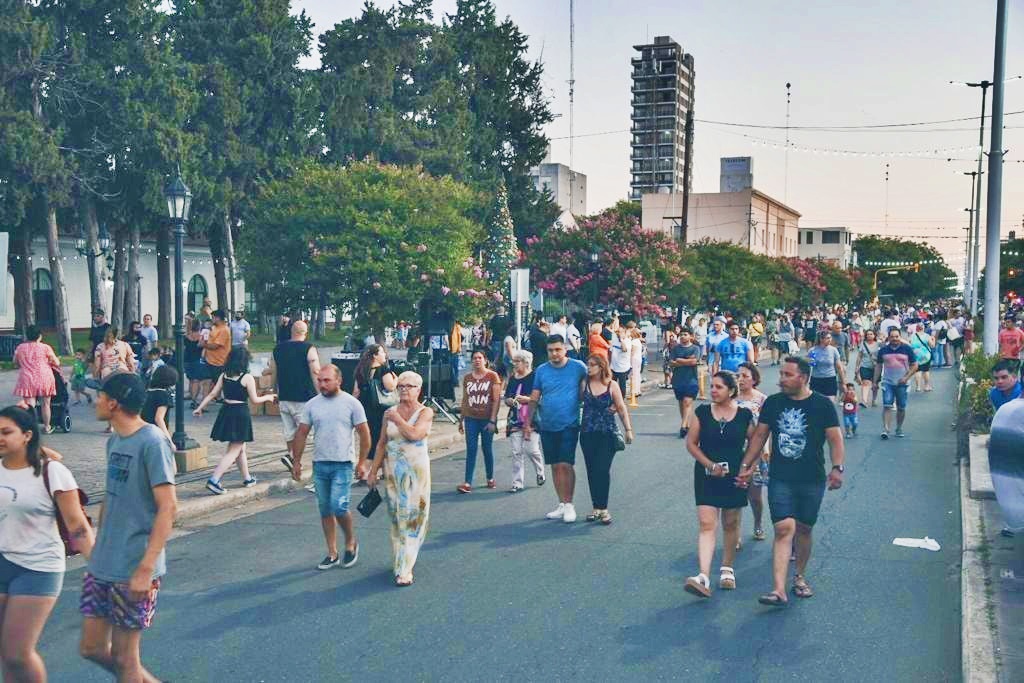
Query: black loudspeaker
346	362
439	322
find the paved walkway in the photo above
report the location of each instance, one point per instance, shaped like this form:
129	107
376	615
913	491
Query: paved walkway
502	593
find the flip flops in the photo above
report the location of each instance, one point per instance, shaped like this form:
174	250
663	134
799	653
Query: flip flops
773	600
801	588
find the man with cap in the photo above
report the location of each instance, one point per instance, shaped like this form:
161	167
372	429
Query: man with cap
122	579
97	331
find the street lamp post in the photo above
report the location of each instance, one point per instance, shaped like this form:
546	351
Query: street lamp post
595	257
179	202
84	249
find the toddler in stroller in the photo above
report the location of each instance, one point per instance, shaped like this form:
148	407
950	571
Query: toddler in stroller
60	416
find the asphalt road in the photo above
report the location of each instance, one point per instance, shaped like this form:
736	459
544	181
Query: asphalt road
502	593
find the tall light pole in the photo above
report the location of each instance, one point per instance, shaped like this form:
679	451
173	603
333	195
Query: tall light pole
972	255
971	278
995	185
179	203
83	248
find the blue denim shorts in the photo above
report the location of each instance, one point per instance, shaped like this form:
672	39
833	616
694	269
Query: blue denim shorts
894	394
333	487
560	447
800	500
16	580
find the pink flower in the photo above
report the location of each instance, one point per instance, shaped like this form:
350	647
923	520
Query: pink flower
424	278
376	285
461	292
445	290
498	297
421	248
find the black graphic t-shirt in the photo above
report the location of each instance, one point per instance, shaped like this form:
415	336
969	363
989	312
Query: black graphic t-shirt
798	435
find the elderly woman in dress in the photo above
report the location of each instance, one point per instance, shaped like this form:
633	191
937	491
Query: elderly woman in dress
36	362
402	451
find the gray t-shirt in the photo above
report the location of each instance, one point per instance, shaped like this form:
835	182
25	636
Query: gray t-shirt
135	464
333	418
239	331
823	360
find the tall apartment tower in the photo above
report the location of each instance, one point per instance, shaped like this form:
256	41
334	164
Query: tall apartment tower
662	119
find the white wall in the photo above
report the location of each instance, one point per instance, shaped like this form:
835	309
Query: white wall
198	261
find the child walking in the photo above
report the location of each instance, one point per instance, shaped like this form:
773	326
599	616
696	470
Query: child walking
158	398
78	371
850	420
233	424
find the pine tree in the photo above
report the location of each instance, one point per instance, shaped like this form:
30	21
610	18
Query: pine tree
501	252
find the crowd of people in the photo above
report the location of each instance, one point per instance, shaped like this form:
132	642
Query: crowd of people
564	386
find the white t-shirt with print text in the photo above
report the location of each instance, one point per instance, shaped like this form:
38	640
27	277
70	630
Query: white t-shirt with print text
28	519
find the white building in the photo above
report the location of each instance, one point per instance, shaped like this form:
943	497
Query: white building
197	277
749	218
834	245
568	188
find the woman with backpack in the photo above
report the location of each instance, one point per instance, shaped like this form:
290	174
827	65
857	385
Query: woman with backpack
32	552
922	342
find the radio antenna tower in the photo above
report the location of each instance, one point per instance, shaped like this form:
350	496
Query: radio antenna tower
572	99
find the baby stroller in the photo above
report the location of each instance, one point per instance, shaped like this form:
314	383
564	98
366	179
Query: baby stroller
60	416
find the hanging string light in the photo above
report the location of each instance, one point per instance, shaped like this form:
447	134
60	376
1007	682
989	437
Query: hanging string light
934	153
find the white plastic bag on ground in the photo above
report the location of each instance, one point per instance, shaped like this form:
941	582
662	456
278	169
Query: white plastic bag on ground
926	543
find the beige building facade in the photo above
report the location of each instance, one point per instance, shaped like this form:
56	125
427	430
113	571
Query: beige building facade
748	218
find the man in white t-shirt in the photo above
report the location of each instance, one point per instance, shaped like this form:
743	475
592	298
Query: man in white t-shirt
892	320
559	327
335	415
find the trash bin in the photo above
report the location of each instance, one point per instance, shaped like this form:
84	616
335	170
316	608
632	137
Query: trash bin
7	344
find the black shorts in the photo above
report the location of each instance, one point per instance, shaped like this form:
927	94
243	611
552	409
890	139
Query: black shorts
826	386
800	500
686	390
866	374
924	367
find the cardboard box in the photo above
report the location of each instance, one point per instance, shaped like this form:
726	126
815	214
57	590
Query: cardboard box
272	409
265	382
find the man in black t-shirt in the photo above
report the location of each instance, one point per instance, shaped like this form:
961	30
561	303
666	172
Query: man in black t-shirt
294	368
800	422
683	360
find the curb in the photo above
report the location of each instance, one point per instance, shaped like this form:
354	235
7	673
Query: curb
980	476
977	642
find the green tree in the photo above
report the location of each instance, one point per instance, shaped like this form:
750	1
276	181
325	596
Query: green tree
375	239
255	113
930	282
500	251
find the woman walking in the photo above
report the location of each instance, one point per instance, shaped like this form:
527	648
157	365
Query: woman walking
602	401
32	559
195	370
373	367
481	398
113	355
402	450
747	380
36	363
716	440
517	398
922	343
867	356
636	360
621	358
233	424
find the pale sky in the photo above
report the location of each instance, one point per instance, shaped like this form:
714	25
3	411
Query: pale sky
851	64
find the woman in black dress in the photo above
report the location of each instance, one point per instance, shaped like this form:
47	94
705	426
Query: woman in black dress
716	440
233	423
373	365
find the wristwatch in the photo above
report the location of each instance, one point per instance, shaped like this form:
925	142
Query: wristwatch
839	467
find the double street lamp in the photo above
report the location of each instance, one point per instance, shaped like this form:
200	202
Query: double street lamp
83	248
179	203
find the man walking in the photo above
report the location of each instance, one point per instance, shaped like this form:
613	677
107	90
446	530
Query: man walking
240	330
732	351
826	366
895	366
558	381
122	580
1011	340
799	421
334	414
716	336
148	331
683	359
294	368
218	346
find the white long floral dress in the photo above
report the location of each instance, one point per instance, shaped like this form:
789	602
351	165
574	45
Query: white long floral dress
407	485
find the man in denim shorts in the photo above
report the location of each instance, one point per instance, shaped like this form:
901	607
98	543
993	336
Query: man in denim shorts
122	581
800	422
895	365
334	414
556	384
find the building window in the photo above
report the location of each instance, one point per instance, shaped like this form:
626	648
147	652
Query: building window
42	295
830	237
810	237
799	237
197	291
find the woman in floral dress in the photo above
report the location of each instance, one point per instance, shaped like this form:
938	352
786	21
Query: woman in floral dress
402	451
36	362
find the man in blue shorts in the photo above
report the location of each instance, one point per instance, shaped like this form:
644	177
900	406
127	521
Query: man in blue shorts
800	422
683	360
895	366
558	381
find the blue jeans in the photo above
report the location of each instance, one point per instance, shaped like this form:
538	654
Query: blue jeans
939	355
476	429
850	422
894	395
333	487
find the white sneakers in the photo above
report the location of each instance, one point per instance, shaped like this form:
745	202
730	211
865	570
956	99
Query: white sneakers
565	512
